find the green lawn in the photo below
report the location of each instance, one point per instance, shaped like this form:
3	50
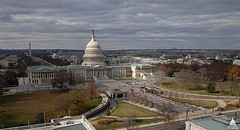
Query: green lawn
16	110
201	103
125	109
175	87
120	124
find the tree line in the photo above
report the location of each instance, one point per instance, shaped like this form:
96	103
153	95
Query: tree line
78	99
220	73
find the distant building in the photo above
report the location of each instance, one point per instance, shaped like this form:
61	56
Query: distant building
236	62
138	70
213	123
77	124
10	61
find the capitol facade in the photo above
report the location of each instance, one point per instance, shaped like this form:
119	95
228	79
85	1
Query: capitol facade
93	67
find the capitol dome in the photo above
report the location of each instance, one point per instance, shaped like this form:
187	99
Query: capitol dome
93	54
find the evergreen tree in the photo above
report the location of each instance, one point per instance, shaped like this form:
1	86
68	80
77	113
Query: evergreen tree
210	88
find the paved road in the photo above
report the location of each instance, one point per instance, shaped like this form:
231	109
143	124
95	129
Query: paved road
180	124
128	84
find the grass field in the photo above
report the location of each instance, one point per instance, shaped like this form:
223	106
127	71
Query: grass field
16	110
176	87
125	109
202	103
119	124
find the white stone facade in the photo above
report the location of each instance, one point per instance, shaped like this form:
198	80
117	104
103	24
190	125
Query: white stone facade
93	67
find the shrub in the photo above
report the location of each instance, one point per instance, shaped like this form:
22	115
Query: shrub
39	118
107	121
199	87
210	88
107	112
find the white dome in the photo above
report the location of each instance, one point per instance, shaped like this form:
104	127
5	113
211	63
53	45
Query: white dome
93	53
93	43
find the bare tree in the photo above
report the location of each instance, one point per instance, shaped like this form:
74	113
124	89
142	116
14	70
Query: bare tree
64	80
141	99
222	86
71	79
145	102
159	75
92	90
168	113
170	95
182	96
131	96
130	122
60	81
235	88
176	94
185	77
202	74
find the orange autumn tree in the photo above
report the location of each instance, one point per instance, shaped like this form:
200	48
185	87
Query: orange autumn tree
63	102
80	101
232	72
93	92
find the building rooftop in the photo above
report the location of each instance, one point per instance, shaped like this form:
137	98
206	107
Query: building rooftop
72	127
39	67
215	123
135	64
73	66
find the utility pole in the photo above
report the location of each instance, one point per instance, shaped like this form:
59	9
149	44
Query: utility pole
44	117
187	113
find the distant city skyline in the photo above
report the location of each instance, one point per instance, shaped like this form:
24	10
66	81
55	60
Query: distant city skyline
135	24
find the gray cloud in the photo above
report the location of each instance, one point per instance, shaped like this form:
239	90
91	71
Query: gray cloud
135	24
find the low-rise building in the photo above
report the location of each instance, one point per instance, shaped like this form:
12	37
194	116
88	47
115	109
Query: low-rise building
10	61
213	123
236	62
137	70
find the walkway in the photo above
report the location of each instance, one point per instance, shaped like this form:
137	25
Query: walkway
221	103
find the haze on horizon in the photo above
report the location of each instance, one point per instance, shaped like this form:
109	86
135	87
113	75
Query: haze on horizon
135	24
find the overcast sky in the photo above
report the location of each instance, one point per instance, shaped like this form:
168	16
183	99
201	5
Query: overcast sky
120	24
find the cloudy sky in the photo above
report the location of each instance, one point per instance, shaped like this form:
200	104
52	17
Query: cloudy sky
120	24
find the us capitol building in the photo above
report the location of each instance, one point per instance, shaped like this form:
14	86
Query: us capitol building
93	67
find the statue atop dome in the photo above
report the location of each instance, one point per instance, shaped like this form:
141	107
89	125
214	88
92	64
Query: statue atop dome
93	35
